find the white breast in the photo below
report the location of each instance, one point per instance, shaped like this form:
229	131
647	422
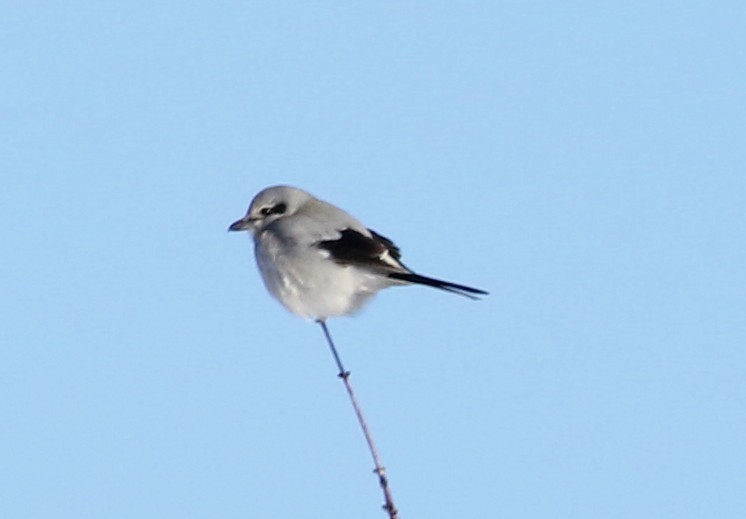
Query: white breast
308	283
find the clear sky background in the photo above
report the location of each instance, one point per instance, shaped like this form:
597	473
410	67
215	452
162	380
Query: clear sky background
582	161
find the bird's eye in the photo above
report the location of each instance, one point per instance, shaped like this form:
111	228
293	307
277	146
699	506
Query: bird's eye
275	209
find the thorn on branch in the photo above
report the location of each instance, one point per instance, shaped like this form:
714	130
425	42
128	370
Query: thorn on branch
379	470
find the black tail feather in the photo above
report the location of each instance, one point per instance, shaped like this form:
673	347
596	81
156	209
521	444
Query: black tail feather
454	288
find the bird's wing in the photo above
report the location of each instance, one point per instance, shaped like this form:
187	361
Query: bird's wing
379	254
375	252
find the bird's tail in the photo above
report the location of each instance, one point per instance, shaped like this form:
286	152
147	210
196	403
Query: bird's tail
462	290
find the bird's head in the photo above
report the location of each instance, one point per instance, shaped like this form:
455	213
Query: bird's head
269	205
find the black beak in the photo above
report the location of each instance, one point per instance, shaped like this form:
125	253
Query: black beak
240	225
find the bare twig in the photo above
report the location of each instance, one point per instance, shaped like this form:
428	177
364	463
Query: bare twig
379	470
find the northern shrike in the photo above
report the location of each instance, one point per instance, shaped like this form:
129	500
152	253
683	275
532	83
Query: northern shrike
321	262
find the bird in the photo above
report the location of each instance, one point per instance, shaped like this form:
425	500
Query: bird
319	261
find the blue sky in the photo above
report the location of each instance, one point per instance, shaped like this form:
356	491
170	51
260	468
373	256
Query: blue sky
582	161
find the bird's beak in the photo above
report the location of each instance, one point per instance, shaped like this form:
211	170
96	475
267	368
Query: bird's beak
241	225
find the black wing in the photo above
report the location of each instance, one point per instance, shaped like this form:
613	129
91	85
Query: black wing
379	253
354	248
394	251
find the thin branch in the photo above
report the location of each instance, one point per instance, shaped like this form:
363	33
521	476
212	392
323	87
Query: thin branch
379	470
